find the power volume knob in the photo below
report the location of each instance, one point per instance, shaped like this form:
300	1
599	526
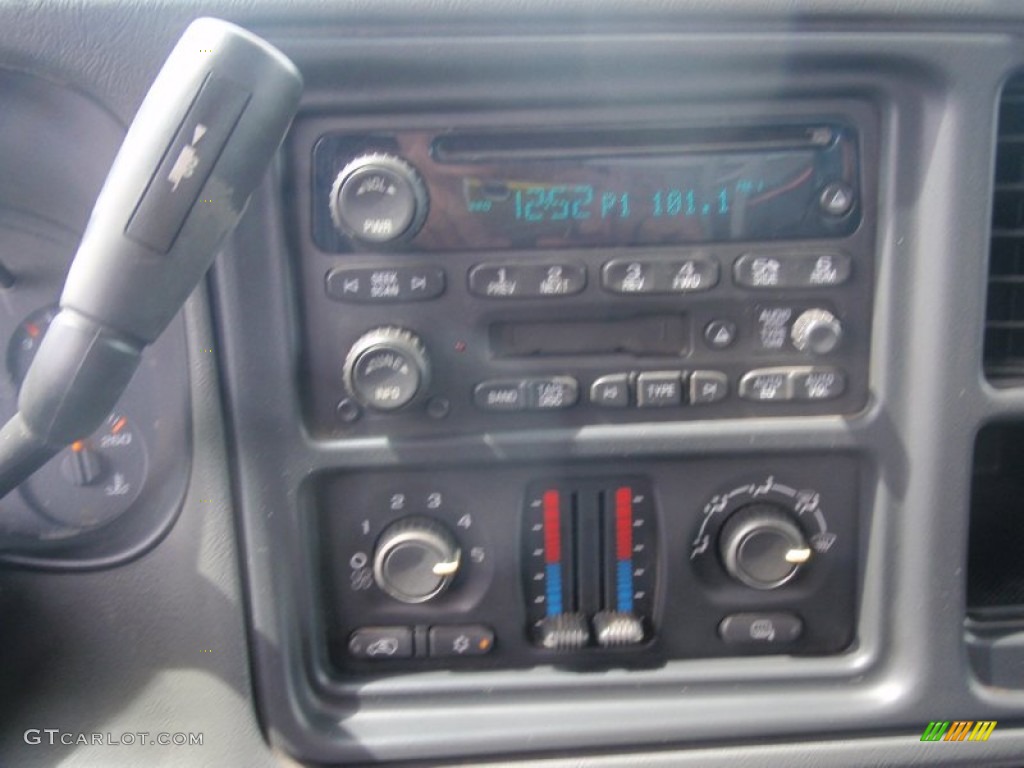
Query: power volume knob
762	546
386	368
378	199
416	559
817	331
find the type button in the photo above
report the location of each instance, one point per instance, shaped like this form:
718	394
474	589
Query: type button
656	389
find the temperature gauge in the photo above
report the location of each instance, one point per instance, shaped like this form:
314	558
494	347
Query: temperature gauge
93	480
25	342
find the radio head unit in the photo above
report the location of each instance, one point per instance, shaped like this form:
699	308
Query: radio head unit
458	282
585	188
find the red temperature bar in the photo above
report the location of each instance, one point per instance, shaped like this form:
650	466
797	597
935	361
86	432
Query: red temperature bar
624	524
552	528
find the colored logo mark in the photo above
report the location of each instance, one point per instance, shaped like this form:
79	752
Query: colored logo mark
958	730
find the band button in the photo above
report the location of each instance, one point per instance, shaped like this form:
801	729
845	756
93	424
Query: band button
500	395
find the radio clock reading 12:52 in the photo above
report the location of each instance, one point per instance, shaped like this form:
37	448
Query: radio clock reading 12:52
642	201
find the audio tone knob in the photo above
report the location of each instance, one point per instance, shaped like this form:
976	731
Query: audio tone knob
378	199
416	559
386	368
817	331
762	546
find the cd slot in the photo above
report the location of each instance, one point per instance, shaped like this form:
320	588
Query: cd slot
563	145
664	335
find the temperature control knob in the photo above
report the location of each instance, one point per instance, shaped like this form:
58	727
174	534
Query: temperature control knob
416	559
378	199
386	368
762	546
817	331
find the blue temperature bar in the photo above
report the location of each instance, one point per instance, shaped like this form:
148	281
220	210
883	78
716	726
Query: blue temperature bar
624	549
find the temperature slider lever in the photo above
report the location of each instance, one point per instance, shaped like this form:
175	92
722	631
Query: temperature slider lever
199	145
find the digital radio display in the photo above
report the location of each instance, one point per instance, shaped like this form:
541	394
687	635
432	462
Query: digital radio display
583	190
644	202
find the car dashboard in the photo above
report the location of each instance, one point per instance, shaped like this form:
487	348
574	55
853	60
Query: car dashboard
585	384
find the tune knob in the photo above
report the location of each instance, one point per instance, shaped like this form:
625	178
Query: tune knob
378	199
416	559
762	546
386	368
817	331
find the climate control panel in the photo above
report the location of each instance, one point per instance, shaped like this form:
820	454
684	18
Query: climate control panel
587	564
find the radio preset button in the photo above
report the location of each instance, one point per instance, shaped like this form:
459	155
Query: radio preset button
369	285
500	395
817	383
658	389
611	391
798	270
708	387
767	385
628	276
526	281
552	394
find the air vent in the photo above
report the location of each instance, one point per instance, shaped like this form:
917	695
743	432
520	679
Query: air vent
995	568
1004	327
